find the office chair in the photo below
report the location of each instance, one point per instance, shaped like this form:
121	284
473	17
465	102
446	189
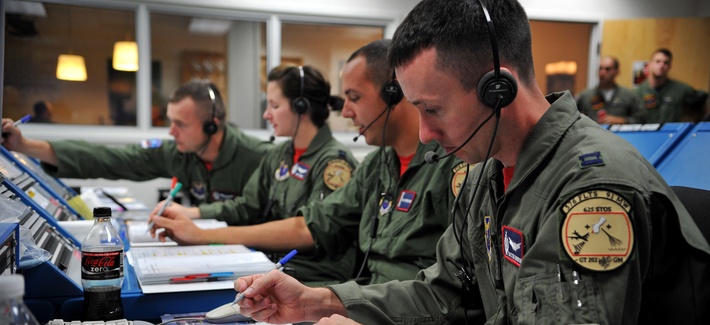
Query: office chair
680	292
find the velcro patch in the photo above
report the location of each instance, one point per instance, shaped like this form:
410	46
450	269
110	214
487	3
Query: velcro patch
591	159
300	170
337	173
151	143
513	248
406	200
459	176
597	233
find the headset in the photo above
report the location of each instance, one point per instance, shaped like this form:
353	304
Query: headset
210	127
301	104
391	92
496	89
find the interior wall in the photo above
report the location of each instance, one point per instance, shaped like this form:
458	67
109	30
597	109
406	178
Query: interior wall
635	39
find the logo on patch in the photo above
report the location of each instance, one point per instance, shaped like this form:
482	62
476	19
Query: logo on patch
650	101
151	143
282	173
597	233
597	102
513	248
198	190
300	170
337	173
406	200
457	180
385	204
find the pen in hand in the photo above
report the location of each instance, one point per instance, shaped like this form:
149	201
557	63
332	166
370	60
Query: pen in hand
172	194
277	266
24	119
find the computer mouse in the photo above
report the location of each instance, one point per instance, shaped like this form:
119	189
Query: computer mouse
227	313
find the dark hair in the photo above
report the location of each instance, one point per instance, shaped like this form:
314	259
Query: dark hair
457	29
665	52
198	90
315	88
40	108
378	70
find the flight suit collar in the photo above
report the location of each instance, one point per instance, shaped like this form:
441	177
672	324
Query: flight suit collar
319	141
545	135
233	138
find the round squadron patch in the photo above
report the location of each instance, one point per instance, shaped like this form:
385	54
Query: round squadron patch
597	233
459	176
337	173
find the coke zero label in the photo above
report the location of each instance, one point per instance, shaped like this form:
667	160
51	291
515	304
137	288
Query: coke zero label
101	265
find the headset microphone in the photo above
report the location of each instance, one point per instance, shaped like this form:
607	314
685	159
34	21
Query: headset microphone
272	138
433	157
369	125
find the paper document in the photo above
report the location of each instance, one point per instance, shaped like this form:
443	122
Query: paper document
200	267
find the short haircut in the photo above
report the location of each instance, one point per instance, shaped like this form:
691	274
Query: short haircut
198	90
378	70
457	29
665	52
613	59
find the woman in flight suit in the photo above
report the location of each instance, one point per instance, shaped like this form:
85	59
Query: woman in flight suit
309	166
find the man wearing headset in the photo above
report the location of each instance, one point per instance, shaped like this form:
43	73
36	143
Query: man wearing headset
564	224
395	207
212	159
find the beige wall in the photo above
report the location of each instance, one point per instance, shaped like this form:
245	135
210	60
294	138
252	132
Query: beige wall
635	40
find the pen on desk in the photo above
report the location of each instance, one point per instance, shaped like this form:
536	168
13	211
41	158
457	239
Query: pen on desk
172	194
114	199
24	119
277	266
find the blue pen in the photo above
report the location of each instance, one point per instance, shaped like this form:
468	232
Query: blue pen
278	265
172	194
24	119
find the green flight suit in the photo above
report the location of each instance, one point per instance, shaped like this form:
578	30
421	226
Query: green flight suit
410	220
624	103
514	241
278	188
239	156
667	103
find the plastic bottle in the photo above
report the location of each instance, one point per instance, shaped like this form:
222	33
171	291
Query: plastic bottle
13	310
102	269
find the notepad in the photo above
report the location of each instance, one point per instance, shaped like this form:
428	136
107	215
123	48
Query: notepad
156	266
138	235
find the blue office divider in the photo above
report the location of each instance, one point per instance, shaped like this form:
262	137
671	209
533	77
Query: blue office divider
653	141
688	164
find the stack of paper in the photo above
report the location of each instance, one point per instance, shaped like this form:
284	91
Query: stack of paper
180	266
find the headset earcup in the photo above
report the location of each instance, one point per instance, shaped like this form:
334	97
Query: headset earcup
490	89
300	105
392	93
209	127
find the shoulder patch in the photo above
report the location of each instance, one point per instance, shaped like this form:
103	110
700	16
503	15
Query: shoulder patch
151	143
591	159
596	232
459	174
337	173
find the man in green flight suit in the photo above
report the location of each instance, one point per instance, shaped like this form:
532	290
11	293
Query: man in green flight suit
211	158
395	207
561	222
666	99
609	103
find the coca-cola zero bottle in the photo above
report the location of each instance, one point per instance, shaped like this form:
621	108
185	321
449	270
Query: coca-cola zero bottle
102	269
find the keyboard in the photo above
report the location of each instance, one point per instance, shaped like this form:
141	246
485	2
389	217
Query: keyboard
99	322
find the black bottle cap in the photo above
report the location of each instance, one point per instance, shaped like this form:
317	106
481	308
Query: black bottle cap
102	212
